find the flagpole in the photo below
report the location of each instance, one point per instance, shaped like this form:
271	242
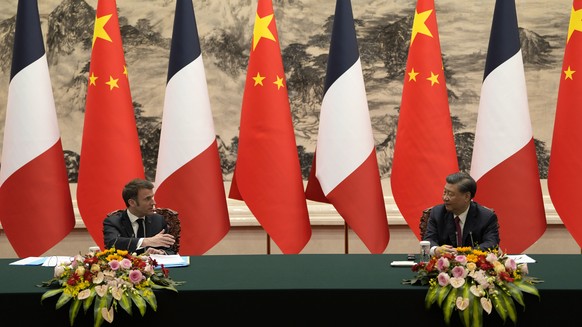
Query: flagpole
268	244
346	245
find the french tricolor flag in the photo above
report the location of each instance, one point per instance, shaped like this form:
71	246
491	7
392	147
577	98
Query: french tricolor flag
189	175
37	211
504	161
345	169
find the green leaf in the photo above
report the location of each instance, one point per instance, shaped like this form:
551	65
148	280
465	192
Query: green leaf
51	293
449	304
442	293
499	306
140	303
150	298
63	299
509	306
515	293
74	310
476	311
103	302
465	315
430	296
125	303
160	287
526	286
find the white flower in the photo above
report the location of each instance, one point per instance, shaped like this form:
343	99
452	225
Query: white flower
462	303
486	304
457	282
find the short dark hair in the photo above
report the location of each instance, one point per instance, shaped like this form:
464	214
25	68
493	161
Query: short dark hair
464	181
131	189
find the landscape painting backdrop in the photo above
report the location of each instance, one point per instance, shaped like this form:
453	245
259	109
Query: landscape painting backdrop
225	29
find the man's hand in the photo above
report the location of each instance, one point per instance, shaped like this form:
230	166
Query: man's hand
154	251
445	249
161	239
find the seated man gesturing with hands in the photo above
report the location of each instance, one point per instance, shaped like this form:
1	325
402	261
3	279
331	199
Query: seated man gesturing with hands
460	221
138	228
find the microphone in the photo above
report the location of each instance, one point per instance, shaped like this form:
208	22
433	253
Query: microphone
115	242
457	239
472	242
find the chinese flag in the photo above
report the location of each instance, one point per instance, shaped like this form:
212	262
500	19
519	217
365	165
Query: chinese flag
345	169
504	161
110	152
37	211
424	151
189	176
565	172
267	175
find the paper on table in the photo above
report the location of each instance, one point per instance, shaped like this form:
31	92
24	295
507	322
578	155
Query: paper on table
171	260
521	258
30	261
402	263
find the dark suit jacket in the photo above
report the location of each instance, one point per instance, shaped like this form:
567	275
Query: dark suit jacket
480	230
117	231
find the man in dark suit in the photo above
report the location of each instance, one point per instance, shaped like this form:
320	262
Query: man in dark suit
477	225
122	229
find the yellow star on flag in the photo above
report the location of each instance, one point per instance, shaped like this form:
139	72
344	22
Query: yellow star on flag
569	74
261	29
112	83
575	22
100	28
93	79
419	25
278	82
412	75
258	79
434	79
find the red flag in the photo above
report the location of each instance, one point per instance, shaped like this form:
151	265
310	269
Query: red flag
267	174
565	169
189	175
110	152
37	211
345	169
504	161
424	151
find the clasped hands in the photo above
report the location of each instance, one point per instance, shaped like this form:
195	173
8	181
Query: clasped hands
161	239
440	250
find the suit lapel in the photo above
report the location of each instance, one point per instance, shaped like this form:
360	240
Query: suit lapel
126	224
470	222
449	218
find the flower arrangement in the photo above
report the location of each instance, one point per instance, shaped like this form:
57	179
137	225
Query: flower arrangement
107	279
472	281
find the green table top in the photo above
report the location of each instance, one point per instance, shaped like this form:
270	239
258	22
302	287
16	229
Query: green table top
300	272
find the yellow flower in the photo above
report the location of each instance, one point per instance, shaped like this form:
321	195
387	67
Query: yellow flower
498	267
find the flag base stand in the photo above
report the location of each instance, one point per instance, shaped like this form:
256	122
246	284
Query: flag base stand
346	240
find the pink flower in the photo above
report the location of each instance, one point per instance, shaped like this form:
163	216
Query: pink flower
443	264
443	279
491	257
462	259
125	263
524	269
459	271
135	276
114	264
510	264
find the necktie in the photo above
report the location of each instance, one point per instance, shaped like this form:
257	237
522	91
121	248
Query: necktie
140	228
459	231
